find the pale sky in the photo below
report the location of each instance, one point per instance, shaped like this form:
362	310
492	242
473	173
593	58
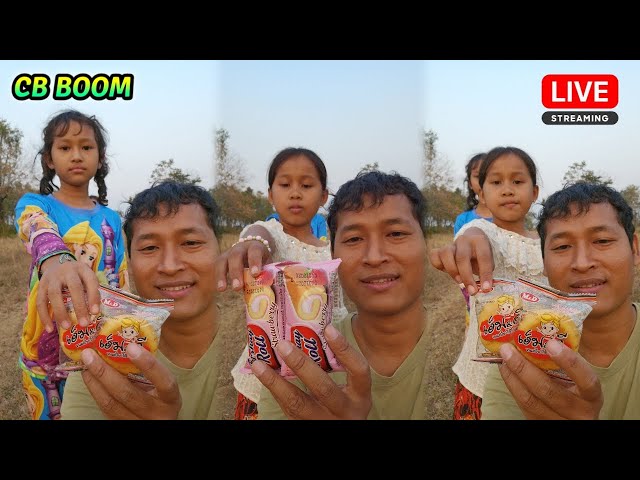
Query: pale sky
351	112
476	105
172	115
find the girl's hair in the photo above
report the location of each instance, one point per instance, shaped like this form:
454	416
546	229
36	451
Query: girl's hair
472	199
290	152
59	126
497	152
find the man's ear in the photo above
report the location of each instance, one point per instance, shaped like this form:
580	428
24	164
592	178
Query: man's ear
636	252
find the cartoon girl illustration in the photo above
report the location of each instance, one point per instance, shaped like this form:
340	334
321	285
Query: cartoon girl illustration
85	244
506	310
550	326
130	331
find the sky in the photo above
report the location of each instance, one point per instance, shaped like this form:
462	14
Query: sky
475	105
350	112
171	115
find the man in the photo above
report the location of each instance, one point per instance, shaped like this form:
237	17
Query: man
376	222
172	247
588	245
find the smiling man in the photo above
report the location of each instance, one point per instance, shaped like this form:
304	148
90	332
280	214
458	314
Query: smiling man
377	226
588	245
172	247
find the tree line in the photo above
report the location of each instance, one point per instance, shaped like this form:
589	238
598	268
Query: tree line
240	205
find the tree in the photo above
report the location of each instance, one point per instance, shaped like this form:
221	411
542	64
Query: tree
578	172
165	170
14	179
370	167
229	168
632	195
436	172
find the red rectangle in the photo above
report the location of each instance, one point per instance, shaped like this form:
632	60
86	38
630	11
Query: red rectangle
576	91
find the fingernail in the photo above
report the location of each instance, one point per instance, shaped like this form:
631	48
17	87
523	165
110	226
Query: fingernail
95	309
459	280
258	367
221	285
254	270
284	347
83	322
506	351
65	324
134	350
330	332
87	356
471	289
554	347
486	286
49	328
462	285
236	283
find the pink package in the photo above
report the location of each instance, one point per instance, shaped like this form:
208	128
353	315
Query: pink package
264	327
305	298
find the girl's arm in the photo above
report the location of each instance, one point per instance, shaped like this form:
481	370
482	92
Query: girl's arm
247	252
55	264
469	253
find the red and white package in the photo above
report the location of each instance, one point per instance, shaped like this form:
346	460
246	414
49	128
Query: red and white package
264	328
305	293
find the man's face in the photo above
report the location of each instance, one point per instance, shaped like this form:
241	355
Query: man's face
383	256
590	253
172	257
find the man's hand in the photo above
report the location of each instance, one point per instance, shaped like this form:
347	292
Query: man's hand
470	253
540	396
326	400
76	277
121	399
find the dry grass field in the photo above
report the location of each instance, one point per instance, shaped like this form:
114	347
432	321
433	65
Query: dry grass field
442	297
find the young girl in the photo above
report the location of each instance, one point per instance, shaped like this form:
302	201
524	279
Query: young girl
509	186
475	209
66	233
297	189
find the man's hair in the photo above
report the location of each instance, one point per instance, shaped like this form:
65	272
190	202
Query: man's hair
580	196
375	186
170	195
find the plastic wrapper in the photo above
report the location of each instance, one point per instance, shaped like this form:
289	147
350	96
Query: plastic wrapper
528	314
292	301
124	318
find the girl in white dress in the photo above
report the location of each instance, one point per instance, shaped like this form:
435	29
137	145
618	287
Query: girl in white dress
508	180
297	189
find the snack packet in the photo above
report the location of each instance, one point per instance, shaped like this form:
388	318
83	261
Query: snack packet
549	313
498	312
305	293
124	318
264	328
527	314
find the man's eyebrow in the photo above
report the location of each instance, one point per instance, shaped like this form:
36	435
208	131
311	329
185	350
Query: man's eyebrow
390	221
183	231
596	229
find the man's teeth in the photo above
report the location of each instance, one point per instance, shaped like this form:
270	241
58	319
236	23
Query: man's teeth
382	280
175	289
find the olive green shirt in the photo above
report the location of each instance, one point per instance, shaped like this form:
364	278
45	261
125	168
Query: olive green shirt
198	386
398	397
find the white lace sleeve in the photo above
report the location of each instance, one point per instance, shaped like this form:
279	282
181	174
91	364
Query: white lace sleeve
513	254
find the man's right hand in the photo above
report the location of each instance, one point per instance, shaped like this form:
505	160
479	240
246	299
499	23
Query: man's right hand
121	399
470	253
326	400
74	276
